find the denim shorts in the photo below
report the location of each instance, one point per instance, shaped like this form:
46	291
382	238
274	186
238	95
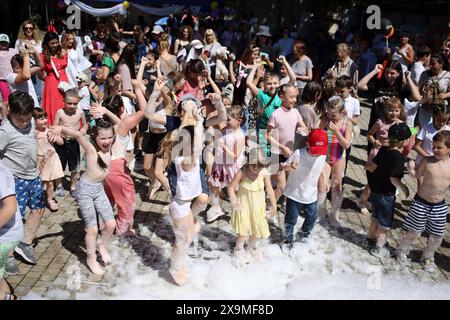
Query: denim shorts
383	207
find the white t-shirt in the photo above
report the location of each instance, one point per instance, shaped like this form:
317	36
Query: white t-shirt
13	230
352	106
189	185
301	185
26	86
426	134
84	103
411	108
416	70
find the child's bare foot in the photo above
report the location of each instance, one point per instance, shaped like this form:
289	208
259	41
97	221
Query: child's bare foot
95	266
256	255
104	254
180	276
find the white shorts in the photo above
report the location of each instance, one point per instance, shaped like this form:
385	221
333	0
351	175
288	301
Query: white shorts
179	208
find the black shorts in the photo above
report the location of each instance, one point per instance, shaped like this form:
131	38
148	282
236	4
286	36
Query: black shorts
143	125
69	153
151	142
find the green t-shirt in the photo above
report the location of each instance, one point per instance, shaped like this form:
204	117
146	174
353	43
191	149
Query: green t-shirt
110	63
264	98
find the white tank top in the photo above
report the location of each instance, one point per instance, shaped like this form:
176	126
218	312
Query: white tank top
119	148
188	182
159	111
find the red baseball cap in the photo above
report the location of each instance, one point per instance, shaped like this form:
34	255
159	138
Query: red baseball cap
318	142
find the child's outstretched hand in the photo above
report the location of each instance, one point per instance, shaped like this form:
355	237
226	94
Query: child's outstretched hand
160	83
97	110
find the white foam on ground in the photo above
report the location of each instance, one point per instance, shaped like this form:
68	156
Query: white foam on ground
326	268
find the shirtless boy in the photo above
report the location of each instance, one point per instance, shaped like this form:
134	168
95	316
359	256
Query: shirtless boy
69	153
428	211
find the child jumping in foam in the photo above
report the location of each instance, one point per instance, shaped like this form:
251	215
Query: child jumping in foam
229	158
429	211
301	189
339	130
387	168
378	137
249	206
90	194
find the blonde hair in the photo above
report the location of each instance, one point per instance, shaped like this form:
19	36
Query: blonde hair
210	32
65	36
38	35
163	43
395	102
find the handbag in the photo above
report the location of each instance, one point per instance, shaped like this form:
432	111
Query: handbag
62	85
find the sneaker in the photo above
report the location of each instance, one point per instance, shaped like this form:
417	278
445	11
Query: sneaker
402	258
287	245
429	265
11	268
26	252
59	192
303	238
380	252
73	193
369	243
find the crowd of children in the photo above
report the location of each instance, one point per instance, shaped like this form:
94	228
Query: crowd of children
201	146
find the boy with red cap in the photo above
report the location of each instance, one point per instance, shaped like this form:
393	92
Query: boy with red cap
306	165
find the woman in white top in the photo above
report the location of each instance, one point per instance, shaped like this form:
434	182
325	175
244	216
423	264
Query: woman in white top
405	52
76	62
211	50
30	31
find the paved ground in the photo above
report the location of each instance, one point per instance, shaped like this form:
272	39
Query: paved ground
60	242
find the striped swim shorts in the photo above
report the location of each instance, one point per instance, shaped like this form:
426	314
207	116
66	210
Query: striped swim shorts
425	216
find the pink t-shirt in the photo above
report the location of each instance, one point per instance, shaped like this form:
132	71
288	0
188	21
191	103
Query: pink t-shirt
187	88
284	123
5	62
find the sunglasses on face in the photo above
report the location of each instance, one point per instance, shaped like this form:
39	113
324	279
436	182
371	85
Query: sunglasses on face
27	28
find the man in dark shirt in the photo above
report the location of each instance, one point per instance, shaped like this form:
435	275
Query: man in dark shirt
387	168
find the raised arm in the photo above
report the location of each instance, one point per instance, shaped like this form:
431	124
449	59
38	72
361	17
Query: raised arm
362	84
132	121
250	84
412	86
221	116
213	84
291	73
150	109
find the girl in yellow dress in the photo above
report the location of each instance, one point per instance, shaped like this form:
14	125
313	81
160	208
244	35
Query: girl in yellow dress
249	207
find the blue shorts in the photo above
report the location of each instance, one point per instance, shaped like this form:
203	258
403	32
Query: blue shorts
29	193
383	206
